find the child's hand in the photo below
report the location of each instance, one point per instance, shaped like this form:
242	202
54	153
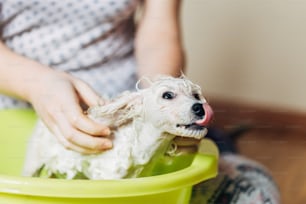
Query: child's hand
56	98
186	145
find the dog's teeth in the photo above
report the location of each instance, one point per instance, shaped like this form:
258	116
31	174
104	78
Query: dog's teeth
205	131
182	131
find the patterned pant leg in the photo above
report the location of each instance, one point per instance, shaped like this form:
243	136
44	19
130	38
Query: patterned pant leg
240	181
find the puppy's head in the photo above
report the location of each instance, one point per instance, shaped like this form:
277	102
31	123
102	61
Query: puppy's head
177	106
172	105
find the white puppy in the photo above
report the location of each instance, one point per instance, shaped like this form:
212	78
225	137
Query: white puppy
143	124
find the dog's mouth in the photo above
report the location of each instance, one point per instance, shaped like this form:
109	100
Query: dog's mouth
191	130
192	126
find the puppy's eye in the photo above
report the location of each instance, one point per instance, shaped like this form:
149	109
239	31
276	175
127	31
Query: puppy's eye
168	95
197	96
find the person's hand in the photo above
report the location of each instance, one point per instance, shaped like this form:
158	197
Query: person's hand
57	98
186	145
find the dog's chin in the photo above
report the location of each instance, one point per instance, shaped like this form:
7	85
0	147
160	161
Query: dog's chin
190	130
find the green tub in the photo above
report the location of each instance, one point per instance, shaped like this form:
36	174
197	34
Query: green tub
172	184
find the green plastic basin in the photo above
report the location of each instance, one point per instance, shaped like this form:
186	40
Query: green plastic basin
173	185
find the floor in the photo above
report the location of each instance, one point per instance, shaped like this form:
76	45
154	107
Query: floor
276	139
284	154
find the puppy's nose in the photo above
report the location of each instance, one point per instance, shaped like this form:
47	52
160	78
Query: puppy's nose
207	115
198	109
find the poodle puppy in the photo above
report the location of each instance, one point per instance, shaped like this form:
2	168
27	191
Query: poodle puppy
143	124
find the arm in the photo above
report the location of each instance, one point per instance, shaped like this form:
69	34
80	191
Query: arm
159	48
158	40
56	98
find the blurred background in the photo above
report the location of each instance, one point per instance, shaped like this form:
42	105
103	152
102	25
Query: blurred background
253	51
250	59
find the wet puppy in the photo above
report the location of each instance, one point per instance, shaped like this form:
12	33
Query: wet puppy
143	124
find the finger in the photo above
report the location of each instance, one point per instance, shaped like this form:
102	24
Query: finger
184	141
68	145
71	146
87	94
80	121
49	121
80	139
189	149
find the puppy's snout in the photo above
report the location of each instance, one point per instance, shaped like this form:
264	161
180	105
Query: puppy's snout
198	109
204	111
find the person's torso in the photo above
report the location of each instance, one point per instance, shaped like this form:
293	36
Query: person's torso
69	34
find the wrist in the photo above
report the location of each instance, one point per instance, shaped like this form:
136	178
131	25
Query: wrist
18	75
35	82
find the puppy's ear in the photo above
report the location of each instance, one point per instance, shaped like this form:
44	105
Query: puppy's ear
118	111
